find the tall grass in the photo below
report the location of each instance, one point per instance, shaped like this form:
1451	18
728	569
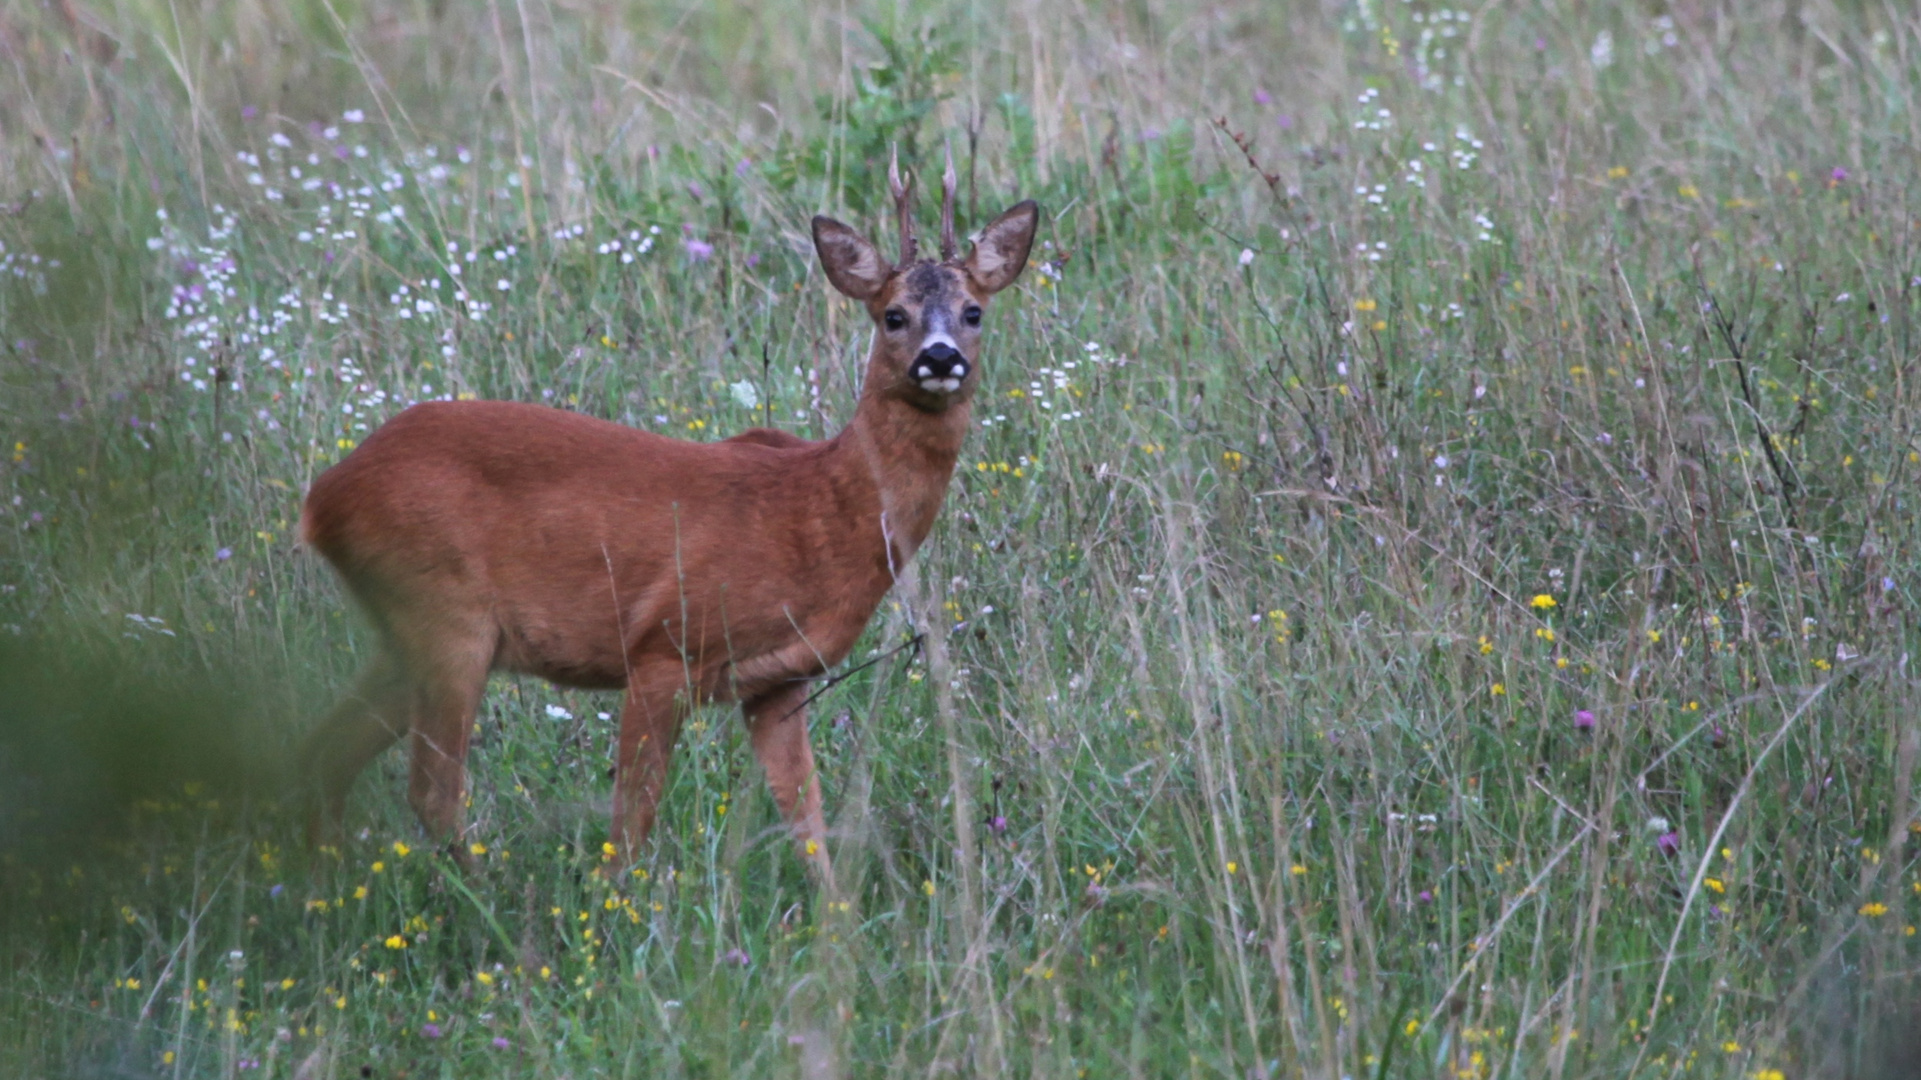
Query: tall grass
1431	593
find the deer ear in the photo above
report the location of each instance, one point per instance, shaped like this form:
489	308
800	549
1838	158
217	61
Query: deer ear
1001	253
852	264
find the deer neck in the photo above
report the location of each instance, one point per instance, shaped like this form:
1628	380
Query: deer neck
905	456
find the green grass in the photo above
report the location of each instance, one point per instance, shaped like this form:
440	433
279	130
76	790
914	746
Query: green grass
1243	746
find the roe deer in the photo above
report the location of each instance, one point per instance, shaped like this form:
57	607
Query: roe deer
484	536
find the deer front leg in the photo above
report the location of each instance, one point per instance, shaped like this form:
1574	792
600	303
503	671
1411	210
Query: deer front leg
777	726
649	727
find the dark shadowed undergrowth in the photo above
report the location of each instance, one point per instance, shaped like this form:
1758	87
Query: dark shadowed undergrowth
1430	593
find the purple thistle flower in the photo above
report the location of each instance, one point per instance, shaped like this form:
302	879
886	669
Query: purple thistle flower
248	112
501	1043
698	250
1285	120
736	956
1669	843
431	1031
1262	97
997	824
1583	720
1425	896
342	151
1838	175
694	189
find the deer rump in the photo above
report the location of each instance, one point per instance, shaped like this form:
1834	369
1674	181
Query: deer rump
529	539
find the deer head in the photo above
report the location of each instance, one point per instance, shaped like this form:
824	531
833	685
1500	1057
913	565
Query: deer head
927	314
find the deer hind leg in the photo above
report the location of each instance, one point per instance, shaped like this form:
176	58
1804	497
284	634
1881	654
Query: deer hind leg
777	726
367	721
657	702
447	690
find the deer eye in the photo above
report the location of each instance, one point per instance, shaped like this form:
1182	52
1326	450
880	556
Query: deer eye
972	315
895	318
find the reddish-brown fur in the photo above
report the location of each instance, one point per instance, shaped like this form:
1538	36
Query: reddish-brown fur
485	536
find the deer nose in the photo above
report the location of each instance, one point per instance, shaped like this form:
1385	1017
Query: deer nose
940	366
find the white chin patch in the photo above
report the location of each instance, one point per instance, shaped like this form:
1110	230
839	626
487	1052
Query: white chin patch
940	386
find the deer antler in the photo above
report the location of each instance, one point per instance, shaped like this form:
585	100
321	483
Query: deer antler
903	209
948	183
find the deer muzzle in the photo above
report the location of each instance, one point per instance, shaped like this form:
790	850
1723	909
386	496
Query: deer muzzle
939	368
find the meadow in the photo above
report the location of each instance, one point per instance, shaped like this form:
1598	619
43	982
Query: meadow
1430	592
